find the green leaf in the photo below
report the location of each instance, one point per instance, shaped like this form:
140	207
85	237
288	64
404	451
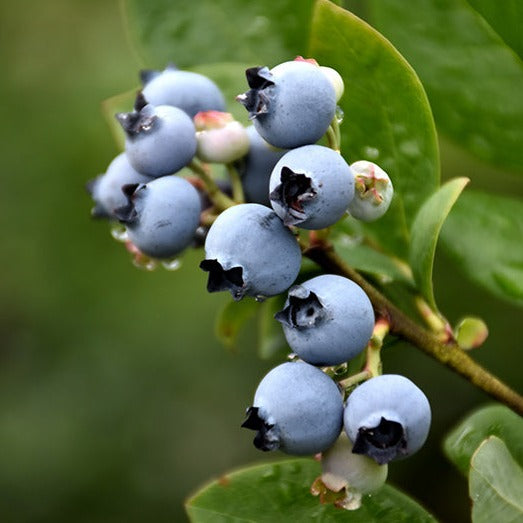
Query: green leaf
483	235
473	79
208	31
505	18
425	233
280	491
372	262
232	318
387	116
495	484
271	340
493	420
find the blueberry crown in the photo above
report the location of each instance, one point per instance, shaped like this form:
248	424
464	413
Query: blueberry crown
382	443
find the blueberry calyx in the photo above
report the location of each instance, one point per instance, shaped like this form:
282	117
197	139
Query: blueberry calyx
257	99
266	438
224	280
141	119
292	193
304	310
382	443
127	213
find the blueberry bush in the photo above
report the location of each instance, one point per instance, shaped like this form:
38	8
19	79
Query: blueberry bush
312	188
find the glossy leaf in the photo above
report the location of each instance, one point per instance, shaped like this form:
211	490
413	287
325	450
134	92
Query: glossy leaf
483	235
425	234
372	262
387	116
495	484
232	318
505	18
208	31
280	491
493	420
473	79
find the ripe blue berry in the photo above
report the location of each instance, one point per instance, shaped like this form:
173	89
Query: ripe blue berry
162	216
250	252
106	189
311	187
190	92
387	418
327	320
297	408
293	104
160	139
256	167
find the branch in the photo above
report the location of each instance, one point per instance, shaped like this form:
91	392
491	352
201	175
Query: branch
450	354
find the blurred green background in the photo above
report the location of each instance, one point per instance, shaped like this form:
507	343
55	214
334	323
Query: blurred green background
116	401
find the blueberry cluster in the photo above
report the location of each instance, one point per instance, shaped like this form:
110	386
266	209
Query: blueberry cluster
281	185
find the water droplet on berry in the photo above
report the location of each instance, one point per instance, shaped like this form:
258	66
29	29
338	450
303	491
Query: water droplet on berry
145	263
119	232
260	298
339	114
172	265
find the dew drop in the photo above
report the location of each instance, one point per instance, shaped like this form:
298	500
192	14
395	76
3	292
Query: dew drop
260	298
145	263
339	115
172	265
119	232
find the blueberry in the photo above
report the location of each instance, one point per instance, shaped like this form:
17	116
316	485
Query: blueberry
256	167
293	104
190	92
297	408
162	216
327	320
373	191
311	187
160	140
106	189
250	252
387	418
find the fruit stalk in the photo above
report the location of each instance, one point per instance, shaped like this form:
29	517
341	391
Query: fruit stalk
449	353
220	200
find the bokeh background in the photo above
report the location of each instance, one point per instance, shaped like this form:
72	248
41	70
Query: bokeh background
116	400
